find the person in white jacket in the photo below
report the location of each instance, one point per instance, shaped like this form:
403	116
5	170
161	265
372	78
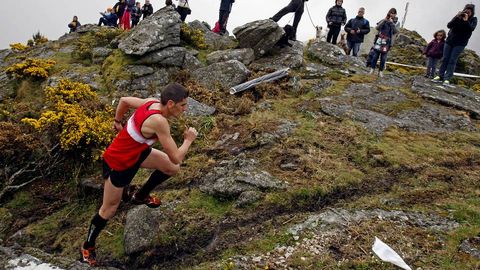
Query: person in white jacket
183	9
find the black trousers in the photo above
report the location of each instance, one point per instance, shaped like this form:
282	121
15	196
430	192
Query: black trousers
296	6
183	13
222	20
332	35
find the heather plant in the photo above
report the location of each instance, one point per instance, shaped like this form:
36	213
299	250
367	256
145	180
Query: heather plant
31	68
76	119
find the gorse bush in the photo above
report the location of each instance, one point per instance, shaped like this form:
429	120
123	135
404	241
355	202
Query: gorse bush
18	47
31	67
193	37
76	118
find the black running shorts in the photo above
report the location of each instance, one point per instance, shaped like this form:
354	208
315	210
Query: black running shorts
123	178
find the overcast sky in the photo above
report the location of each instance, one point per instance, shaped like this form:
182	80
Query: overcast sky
21	18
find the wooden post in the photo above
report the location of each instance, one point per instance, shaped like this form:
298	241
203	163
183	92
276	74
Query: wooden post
405	16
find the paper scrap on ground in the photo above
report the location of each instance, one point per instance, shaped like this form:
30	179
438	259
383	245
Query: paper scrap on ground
387	254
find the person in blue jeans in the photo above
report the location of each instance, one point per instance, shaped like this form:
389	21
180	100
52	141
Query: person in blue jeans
461	29
387	28
356	29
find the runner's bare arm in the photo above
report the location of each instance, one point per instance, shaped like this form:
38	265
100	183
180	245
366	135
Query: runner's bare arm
176	154
127	103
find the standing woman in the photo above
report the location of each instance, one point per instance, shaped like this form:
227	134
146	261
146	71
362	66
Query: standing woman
387	28
461	29
183	9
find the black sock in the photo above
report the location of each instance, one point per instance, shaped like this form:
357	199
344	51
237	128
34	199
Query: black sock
155	179
96	225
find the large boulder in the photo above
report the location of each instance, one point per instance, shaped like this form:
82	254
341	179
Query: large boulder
158	31
325	53
214	41
246	56
196	108
261	36
226	74
141	228
152	83
280	58
171	56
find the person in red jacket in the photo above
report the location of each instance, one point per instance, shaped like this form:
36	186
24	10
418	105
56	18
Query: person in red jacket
434	52
132	149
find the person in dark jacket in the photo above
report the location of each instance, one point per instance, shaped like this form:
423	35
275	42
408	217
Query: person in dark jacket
119	9
336	17
434	52
387	28
296	6
225	9
356	29
136	14
74	24
108	18
147	9
183	8
461	29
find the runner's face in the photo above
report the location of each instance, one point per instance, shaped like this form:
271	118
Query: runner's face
179	108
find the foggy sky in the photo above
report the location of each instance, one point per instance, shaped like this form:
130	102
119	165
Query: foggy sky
20	19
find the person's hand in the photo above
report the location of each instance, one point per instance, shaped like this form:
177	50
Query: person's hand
190	134
352	31
358	31
330	23
117	126
465	17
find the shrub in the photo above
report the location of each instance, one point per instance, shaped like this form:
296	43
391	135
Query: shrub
39	39
76	118
18	47
90	40
193	37
31	67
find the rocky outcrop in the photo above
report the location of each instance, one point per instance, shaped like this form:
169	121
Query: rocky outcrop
196	108
158	31
261	36
232	178
171	56
325	53
280	58
141	227
246	56
225	74
214	41
454	96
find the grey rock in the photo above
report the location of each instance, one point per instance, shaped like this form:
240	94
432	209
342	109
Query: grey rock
453	96
261	36
325	53
196	108
137	71
320	86
234	177
4	54
153	82
141	227
167	57
246	56
214	41
191	62
160	30
280	58
93	79
101	52
314	71
85	28
248	197
67	49
471	246
226	74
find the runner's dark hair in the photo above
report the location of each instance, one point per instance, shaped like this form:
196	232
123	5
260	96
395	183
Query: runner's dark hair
174	92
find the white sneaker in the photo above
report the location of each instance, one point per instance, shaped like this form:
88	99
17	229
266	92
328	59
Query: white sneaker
446	82
437	79
380	74
371	71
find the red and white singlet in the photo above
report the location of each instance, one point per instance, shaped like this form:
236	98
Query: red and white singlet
125	149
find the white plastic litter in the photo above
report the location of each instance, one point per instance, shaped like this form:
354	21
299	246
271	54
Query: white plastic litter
387	254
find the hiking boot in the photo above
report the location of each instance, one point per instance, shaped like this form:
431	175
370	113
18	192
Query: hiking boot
152	202
371	71
88	255
128	192
446	82
437	79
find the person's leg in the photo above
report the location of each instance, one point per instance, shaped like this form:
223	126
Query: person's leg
383	60
335	34
298	17
223	18
452	63
429	67
100	21
434	67
330	34
290	8
375	59
447	51
356	48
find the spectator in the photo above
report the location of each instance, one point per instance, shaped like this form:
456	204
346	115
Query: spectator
147	9
119	9
74	24
387	28
169	3
434	52
126	18
136	14
296	6
183	9
461	29
108	18
356	29
336	17
225	9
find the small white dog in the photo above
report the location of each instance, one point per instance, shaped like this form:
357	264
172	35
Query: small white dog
321	34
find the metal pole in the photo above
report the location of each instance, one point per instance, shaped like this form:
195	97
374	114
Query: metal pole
405	16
